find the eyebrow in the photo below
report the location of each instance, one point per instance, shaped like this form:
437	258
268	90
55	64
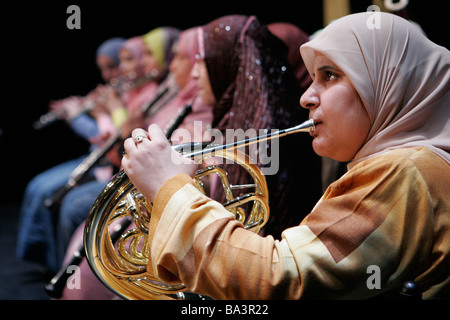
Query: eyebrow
326	67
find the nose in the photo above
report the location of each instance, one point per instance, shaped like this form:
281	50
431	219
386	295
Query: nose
195	71
310	99
123	69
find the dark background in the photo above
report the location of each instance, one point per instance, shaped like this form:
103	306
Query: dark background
44	60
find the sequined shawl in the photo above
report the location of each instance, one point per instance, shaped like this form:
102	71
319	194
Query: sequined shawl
255	88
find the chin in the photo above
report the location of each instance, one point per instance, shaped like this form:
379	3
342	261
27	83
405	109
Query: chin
318	149
324	147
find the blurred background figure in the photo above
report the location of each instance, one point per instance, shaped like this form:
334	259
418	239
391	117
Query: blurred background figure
37	230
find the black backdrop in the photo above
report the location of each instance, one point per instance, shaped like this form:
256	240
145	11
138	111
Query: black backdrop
44	60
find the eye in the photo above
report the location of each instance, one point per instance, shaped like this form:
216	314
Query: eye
330	75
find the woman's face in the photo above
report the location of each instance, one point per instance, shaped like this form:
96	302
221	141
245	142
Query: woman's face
129	65
200	74
342	122
107	67
181	68
149	63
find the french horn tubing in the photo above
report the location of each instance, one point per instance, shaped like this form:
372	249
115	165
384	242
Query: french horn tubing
122	265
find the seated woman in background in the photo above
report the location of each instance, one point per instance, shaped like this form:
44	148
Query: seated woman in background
180	68
36	240
140	78
244	73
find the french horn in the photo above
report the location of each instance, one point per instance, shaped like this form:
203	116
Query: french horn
120	261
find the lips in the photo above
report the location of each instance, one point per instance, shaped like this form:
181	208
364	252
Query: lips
317	123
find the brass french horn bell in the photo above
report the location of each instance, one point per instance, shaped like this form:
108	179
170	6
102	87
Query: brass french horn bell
120	261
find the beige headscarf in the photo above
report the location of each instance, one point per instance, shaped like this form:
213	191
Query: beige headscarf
401	76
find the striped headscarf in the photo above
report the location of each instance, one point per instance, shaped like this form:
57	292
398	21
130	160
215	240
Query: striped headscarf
160	41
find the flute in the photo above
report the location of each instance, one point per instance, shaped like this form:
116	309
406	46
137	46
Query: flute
50	117
120	85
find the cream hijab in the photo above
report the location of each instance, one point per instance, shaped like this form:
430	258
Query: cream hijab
401	76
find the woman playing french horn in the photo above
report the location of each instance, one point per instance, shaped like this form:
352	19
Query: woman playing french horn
379	99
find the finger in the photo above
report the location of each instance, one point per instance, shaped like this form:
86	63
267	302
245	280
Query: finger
139	131
156	133
129	146
139	135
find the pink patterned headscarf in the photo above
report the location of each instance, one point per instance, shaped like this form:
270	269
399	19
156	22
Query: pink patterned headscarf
188	46
402	77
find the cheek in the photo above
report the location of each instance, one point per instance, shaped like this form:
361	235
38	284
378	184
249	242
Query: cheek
125	68
115	73
361	129
184	72
208	97
346	124
356	117
353	132
150	64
